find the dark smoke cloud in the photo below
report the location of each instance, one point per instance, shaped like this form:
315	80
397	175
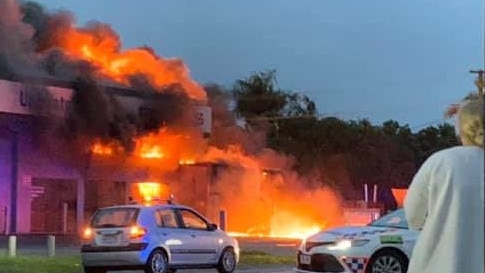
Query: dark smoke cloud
49	31
226	130
48	27
91	111
97	114
169	106
30	39
59	66
17	51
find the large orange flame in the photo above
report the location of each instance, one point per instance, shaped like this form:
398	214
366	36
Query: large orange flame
294	217
168	144
151	151
103	51
100	149
148	192
275	212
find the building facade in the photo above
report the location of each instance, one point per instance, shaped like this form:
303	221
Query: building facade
42	192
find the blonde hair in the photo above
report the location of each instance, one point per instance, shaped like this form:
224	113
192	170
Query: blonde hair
470	120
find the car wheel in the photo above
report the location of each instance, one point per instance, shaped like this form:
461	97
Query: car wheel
227	262
91	269
388	261
157	262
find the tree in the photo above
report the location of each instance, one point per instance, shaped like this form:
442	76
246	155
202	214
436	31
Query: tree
432	139
257	97
387	154
266	108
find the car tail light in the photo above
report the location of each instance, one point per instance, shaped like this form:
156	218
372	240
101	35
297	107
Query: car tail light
137	232
88	233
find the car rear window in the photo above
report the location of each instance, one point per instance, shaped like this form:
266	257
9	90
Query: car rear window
114	217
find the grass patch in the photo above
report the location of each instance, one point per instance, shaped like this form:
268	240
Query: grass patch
40	264
72	264
263	258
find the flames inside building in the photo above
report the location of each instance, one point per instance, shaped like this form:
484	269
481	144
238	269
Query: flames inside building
86	124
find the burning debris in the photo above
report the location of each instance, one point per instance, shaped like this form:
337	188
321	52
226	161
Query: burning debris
257	186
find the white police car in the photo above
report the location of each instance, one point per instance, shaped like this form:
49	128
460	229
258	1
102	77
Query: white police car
157	239
383	246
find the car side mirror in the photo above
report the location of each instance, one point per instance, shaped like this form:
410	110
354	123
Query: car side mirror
213	227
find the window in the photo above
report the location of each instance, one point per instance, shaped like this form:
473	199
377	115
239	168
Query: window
167	218
114	217
192	220
395	219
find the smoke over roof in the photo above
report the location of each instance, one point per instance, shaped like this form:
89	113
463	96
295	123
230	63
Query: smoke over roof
41	46
44	47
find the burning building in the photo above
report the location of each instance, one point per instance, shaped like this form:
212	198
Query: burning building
85	123
51	183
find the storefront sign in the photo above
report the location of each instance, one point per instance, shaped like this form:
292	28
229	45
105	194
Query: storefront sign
30	99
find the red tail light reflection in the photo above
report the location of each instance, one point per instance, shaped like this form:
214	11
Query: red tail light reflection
88	233
137	232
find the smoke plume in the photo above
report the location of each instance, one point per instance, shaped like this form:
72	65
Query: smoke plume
17	50
41	46
44	46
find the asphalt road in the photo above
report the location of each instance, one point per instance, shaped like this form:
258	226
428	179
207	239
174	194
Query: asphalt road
37	245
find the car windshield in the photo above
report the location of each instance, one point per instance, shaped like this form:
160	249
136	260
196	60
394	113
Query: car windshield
395	219
114	217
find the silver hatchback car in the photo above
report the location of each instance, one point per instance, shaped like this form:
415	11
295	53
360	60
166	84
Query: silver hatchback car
157	238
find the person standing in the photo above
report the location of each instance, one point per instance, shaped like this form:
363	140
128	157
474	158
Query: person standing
445	201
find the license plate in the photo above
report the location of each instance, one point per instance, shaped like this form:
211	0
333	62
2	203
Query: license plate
109	239
305	259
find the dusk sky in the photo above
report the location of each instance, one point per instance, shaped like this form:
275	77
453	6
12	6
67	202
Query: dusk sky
377	59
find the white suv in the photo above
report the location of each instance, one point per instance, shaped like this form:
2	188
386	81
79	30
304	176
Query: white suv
157	239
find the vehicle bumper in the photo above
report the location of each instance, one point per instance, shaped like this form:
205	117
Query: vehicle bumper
132	255
329	263
112	258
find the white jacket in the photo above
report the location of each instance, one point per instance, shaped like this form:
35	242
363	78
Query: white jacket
446	202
